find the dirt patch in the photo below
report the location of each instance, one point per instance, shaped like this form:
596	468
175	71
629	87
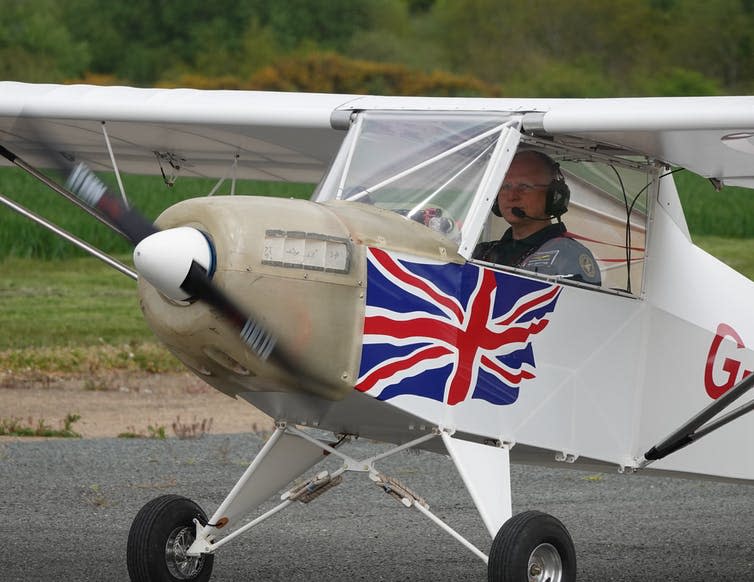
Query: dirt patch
115	403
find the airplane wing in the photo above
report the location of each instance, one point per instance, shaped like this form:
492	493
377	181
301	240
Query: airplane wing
292	136
711	136
275	136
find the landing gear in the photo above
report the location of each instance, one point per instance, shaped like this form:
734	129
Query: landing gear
172	540
532	547
160	535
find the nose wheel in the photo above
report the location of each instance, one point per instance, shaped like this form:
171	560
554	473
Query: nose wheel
532	547
160	535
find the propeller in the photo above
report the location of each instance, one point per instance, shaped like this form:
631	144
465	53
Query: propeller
94	193
179	261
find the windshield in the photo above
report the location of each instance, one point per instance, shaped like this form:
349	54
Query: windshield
427	167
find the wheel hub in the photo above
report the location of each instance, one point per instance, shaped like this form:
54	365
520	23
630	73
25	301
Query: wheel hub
545	564
181	565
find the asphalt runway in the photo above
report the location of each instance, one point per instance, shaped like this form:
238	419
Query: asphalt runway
66	507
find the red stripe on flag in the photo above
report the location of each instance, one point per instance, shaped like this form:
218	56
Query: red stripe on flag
387	370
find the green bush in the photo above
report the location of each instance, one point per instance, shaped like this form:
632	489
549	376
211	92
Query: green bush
333	73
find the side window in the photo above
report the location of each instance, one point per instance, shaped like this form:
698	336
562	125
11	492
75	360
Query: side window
583	221
608	211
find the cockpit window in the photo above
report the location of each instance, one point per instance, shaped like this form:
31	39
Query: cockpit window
425	167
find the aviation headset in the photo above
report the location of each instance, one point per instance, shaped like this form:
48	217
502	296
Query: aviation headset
558	194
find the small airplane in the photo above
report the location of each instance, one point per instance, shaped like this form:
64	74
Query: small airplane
363	312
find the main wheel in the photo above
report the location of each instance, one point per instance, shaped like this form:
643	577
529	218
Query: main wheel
160	534
532	547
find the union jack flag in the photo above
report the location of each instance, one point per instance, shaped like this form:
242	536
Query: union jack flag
449	332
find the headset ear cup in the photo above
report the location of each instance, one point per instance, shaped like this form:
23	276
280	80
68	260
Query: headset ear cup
558	196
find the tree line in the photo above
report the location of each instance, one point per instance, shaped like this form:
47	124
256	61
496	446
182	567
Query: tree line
543	48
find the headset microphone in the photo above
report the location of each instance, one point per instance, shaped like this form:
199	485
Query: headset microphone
521	214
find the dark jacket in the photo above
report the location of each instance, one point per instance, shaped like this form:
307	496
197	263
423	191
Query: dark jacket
550	251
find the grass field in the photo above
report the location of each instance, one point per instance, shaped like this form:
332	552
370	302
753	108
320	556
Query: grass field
728	213
73	315
19	237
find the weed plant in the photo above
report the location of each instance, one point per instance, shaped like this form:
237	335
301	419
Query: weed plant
191	430
40	428
153	432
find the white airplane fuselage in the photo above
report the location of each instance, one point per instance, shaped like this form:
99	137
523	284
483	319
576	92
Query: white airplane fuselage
591	376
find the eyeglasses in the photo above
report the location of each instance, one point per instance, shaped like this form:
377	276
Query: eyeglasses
522	187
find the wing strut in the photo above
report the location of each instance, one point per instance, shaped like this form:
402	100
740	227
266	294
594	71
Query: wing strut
699	426
115	164
64	234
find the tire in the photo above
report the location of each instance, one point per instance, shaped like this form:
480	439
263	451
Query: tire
532	547
160	534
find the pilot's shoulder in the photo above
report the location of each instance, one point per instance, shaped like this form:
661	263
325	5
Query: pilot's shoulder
572	256
566	243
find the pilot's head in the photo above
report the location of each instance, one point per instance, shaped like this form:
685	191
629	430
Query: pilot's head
533	191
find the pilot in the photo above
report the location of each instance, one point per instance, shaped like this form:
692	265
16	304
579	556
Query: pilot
534	192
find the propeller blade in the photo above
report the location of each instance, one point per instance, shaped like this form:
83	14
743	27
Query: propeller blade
94	193
260	340
179	262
